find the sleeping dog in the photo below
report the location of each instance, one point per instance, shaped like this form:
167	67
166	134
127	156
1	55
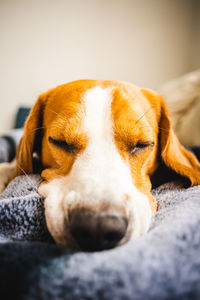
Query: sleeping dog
98	146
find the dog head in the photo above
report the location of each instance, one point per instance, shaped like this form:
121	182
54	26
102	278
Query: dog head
100	144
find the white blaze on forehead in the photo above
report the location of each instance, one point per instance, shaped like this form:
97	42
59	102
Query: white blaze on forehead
97	121
98	159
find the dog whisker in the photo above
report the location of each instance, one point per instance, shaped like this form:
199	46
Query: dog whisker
38	128
164	129
44	127
144	114
28	178
61	116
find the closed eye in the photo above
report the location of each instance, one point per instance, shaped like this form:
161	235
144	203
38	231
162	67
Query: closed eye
139	147
69	148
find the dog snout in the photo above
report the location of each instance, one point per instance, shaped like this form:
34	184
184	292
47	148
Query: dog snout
94	231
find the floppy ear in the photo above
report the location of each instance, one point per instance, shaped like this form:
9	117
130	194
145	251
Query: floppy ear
31	140
174	156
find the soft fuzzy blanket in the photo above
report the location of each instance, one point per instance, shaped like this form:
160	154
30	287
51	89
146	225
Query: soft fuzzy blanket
163	264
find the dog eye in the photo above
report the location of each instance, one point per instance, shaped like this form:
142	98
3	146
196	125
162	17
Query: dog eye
69	148
139	147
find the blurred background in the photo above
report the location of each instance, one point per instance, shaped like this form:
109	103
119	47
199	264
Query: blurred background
46	42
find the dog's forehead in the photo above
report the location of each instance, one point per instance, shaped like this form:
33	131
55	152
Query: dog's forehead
71	100
85	106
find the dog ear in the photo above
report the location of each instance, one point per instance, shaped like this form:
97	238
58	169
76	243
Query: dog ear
173	155
30	144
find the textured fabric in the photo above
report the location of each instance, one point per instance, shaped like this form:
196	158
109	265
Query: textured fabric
163	264
22	211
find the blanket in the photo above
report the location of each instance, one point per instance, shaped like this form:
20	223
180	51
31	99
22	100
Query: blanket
162	264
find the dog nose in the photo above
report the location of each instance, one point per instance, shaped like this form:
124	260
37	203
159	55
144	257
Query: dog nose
97	231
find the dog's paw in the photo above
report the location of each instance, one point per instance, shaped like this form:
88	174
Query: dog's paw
6	170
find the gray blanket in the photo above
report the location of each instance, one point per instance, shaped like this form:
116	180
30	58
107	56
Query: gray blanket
163	264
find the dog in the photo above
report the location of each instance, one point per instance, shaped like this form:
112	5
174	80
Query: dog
98	146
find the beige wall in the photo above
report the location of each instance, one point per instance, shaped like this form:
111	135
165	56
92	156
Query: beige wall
46	42
195	62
